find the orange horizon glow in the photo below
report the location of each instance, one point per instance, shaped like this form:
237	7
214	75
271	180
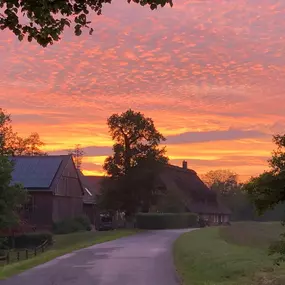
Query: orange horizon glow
213	84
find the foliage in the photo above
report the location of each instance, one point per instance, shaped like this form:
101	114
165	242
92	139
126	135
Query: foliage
268	189
134	165
45	20
67	226
166	220
12	197
77	154
12	144
230	192
223	181
29	240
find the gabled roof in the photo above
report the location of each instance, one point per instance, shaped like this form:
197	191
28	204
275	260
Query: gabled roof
198	198
95	183
38	172
89	196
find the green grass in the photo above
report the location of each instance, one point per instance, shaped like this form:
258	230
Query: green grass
64	244
235	255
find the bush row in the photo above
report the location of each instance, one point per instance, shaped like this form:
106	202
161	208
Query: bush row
166	220
67	226
28	240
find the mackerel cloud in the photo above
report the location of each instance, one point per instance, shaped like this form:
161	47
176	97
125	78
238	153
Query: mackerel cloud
199	67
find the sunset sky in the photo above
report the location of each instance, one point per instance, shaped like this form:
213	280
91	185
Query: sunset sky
211	74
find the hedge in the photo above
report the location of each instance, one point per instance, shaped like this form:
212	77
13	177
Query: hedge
28	240
157	221
81	223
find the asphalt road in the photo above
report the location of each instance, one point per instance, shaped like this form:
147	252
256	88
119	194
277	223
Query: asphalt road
142	259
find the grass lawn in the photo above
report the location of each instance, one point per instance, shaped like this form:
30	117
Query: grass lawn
235	255
64	244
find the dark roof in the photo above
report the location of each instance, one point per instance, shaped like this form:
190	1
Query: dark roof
95	183
37	172
198	198
89	196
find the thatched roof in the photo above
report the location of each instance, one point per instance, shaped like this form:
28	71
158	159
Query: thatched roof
198	198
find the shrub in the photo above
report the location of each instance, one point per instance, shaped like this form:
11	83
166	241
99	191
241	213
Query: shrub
166	220
67	226
28	240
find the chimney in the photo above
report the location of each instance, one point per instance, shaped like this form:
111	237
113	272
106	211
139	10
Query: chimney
184	164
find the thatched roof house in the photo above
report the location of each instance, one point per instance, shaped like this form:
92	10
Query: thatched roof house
196	196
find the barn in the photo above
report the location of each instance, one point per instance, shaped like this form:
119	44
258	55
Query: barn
55	190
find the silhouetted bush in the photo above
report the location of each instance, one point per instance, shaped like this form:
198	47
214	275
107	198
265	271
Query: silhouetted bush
28	240
81	223
166	220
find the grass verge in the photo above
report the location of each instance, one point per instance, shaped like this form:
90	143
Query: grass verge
64	244
229	256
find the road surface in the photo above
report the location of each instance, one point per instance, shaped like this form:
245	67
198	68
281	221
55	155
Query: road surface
142	259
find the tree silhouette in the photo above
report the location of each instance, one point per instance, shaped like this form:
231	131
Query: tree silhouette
135	162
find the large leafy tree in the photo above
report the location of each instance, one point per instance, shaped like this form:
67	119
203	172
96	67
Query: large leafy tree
135	163
45	20
268	189
11	196
12	144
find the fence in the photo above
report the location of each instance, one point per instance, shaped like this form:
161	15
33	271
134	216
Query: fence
22	254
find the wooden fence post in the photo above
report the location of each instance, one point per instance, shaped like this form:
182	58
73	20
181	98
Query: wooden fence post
35	251
27	254
18	255
8	257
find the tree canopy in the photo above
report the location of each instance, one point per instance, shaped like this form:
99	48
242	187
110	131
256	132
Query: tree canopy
45	20
11	196
136	160
268	189
12	144
222	180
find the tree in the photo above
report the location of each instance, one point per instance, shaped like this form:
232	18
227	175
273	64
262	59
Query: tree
135	163
230	192
45	20
12	144
268	189
77	154
12	197
223	180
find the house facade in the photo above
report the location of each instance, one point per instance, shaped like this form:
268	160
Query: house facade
55	190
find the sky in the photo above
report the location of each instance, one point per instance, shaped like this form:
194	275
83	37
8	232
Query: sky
209	73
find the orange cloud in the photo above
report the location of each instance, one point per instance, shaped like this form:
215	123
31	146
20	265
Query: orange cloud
193	68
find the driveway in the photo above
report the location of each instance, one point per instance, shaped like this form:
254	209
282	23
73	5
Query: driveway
142	259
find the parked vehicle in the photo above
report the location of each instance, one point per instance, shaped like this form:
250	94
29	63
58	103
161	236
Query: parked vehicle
106	222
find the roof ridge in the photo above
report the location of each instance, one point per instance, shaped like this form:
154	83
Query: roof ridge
178	168
40	156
